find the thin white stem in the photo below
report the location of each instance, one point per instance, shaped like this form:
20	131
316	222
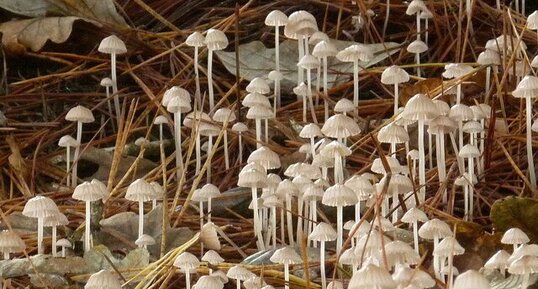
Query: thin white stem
325	88
209	159
417	60
289	220
209	208
286	276
54	234
273	225
226	157
386	24
461	166
309	95
396	98
322	264
415	236
77	154
240	148
197	94
177	141
198	153
87	227
68	165
40	235
238	283
356	84
300	208
525	281
258	133
304	107
277	67
430	151
300	71
339	227
266	132
282	228
256	219
210	79
471	188
140	218
530	159
201	214
436	268
421	162
63	252
115	88
188	277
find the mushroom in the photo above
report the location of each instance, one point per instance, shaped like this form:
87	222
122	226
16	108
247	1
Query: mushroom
323	50
300	26
400	254
372	276
212	258
239	273
64	243
179	102
392	134
144	241
286	256
208	282
194	120
309	62
311	131
344	106
339	196
301	91
448	248
67	142
286	190
196	40
471	279
272	201
276	19
107	84
259	113
417	47
140	191
225	116
186	262
469	152
499	261
528	88
363	189
113	45
338	151
394	75
276	77
214	40
435	229
426	14
412	217
416	7
103	280
54	221
489	58
515	237
40	207
316	38
323	232
10	242
160	194
240	128
205	194
525	266
254	179
440	126
532	22
81	115
88	192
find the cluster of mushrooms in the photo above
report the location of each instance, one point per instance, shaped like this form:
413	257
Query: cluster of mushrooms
286	207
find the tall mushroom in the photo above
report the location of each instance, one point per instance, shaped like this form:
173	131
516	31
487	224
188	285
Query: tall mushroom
103	280
54	221
394	75
140	191
88	192
179	102
196	40
412	217
187	262
40	207
67	142
239	273
286	256
10	242
417	47
309	62
240	128
81	115
276	19
214	40
254	179
339	196
107	83
323	50
323	232
224	115
259	113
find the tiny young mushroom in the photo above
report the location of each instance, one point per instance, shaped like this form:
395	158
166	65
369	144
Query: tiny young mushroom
311	131
240	128
225	116
275	77
212	258
412	217
144	241
208	282
179	101
259	113
67	142
417	47
214	40
196	40
88	192
286	256
103	280
107	84
40	207
140	191
323	232
239	273
10	242
435	229
81	115
113	45
309	62
515	237
187	262
63	243
54	221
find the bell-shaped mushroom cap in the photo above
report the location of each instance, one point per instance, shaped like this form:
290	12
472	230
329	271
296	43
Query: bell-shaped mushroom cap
469	151
420	107
442	125
221	275
265	157
339	195
239	273
276	18
448	246
308	62
106	82
186	261
302	182
40	207
80	113
140	190
176	91
212	257
455	70
145	240
67	141
271	200
254	98
472	127
344	105
335	147
527	87
254	282
515	236
195	39
158	190
273	180
300	23
394	75
498	261
258	85
361	186
417	46
399	252
383	224
209	237
355	52
303	169
532	21
414	215
216	39
524	250
324	48
55	220
301	89
348	257
339	126
471	279
317	37
335	285
112	45
286	255
392	133
313	193
209	191
372	276
461	112
399	183
310	130
194	117
103	280
253	166
489	57
361	229
394	166
415	6
260	112
208	282
426	14
252	179
239	127
179	104
434	228
413	154
287	187
442	106
504	42
142	141
223	114
524	265
63	243
10	242
323	232
275	75
161	119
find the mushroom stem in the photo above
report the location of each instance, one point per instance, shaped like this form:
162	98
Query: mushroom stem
210	78
63	252
396	98
356	85
456	150
300	71
226	155
286	276
277	67
266	133
525	281
197	94
209	149
415	236
441	167
450	277
532	172
325	88
76	157
339	226
188	275
258	133
68	165
304	107
240	136
427	33
357	211
40	235
256	218
6	255
300	208
417	60
289	220
115	88
436	268
273	225
179	153
322	264
109	105
140	218
421	162
471	187
201	210
386	24
54	250
87	227
309	95
238	283
209	210
198	153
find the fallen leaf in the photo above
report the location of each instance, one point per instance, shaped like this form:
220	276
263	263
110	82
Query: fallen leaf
95	261
516	212
43	264
30	8
256	60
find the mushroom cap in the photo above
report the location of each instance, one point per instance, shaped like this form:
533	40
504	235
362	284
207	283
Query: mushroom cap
308	62
392	133
442	125
313	193
471	279
301	89
63	243
258	85
448	246
310	130
489	57
442	106
254	98
394	166
399	184
335	285
252	178
271	201
212	257
399	252
323	232
216	39
415	6
161	119
265	157
523	250
209	237
260	112
239	127
112	45
275	75
106	82
317	37
360	228
355	52
285	255
527	87
224	114
434	228
276	18
504	42
186	261
534	62
221	275
40	207
414	215
303	169
11	242
103	280
300	23
195	39
176	91
178	104
239	273
335	147
417	46
344	105
339	126
362	187
426	14
469	151
324	48
195	117
472	126
348	257
339	195
140	190
101	187
67	141
55	220
145	240
254	282
372	276
461	112
499	260
394	75
532	21
524	265
205	193
514	236
208	282
455	70
80	113
287	187
141	141
413	154
481	111
420	107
